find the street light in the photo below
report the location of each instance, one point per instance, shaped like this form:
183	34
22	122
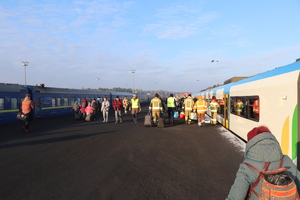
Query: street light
98	82
132	71
25	63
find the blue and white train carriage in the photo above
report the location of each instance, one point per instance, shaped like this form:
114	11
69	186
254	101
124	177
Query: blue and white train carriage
277	93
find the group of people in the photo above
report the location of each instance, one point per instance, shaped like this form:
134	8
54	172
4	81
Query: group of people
91	110
187	106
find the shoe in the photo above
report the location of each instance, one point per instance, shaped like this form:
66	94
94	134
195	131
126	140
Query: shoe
104	121
135	121
27	130
199	124
116	122
121	121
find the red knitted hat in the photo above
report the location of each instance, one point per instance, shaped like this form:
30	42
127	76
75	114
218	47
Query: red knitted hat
257	130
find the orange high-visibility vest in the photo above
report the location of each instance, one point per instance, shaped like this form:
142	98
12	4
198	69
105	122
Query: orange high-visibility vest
200	106
256	107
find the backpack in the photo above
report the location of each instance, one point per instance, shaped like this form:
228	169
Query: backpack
94	105
276	183
84	104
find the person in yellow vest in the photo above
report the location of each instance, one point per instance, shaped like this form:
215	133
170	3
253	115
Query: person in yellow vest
200	107
125	104
213	109
187	106
171	105
135	107
239	106
156	108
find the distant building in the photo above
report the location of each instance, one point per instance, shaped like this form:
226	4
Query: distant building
297	59
235	79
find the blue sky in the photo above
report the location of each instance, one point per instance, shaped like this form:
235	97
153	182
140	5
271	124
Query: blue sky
169	43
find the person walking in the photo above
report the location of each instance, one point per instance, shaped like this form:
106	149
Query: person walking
105	109
83	105
95	107
125	104
76	109
89	112
213	109
171	107
187	106
117	105
156	108
135	107
262	151
27	106
200	108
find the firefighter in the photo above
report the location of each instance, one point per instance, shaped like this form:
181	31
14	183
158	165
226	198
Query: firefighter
156	108
200	107
239	106
171	105
213	109
256	109
187	106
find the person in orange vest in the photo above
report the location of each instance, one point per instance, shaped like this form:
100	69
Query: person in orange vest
213	109
239	106
187	106
156	108
200	107
256	109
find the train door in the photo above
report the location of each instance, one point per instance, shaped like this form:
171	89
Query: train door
297	123
225	119
38	108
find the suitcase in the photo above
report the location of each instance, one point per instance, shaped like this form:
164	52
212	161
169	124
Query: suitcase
161	122
148	120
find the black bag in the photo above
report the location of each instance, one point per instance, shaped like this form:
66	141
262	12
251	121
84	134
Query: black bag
22	116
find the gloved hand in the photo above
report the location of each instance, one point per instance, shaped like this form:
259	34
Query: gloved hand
162	112
149	111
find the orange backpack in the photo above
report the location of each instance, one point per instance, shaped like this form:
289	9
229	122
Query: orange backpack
276	184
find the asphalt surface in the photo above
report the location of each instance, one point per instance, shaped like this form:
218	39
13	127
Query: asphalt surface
66	159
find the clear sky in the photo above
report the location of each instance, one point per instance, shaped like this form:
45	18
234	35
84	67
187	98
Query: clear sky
170	43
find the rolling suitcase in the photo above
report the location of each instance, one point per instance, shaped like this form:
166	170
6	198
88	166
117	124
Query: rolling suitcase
148	120
161	122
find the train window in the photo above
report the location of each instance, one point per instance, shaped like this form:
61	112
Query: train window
66	101
72	101
78	100
246	106
221	107
14	103
53	102
58	101
1	103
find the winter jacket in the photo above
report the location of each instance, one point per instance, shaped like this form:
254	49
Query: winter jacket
81	105
117	105
27	105
89	109
105	105
260	149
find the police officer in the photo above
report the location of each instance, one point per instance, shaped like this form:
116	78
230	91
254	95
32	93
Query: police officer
171	105
156	108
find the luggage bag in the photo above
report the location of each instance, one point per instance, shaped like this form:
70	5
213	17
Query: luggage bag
161	122
148	120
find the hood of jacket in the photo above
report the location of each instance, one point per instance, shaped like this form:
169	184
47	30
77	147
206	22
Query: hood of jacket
264	147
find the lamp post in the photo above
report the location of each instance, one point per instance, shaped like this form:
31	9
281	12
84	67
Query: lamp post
132	71
98	82
25	63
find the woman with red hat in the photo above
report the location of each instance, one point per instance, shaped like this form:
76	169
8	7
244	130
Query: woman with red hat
262	152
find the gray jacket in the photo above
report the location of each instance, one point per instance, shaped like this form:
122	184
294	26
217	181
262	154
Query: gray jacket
260	149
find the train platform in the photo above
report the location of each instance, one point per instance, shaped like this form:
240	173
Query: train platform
67	159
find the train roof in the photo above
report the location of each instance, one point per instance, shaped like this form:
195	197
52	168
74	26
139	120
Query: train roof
9	87
275	72
50	90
